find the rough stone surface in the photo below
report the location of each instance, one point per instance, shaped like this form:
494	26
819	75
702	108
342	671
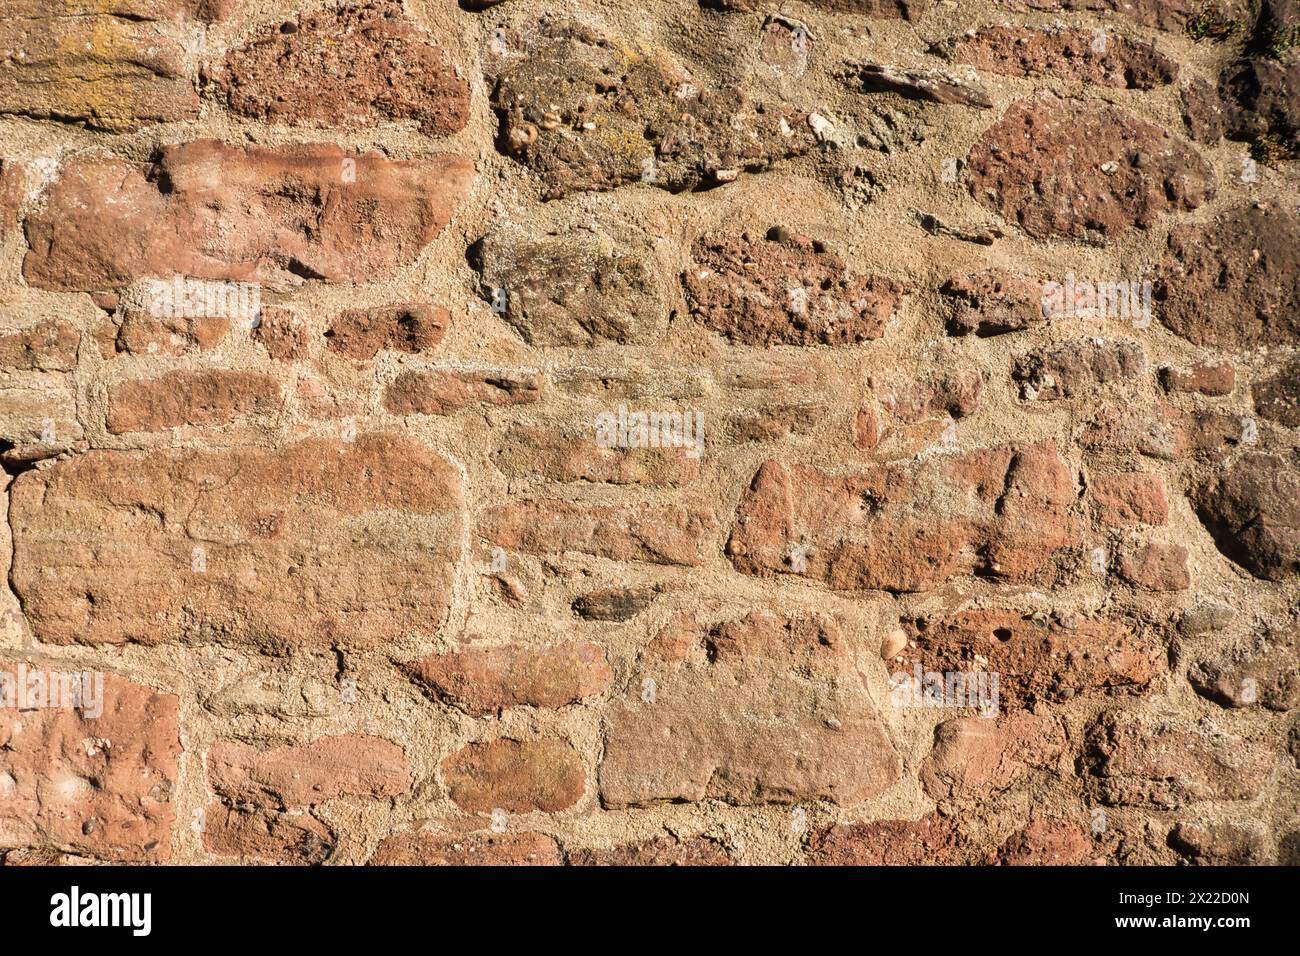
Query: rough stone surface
1234	283
313	320
267	835
1041	167
272	216
515	776
111	69
98	785
484	681
929	841
189	398
474	849
1075	367
1277	397
149	547
1037	660
308	774
1071	54
362	333
993	303
975	758
357	65
571	289
785	290
1136	760
905	527
660	851
1253	512
587	112
791	720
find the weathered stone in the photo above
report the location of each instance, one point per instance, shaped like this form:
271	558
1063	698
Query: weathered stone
276	548
357	65
774	422
1257	95
98	786
471	849
219	212
1003	511
308	774
788	719
659	534
570	455
362	333
886	9
1164	432
1220	844
275	836
206	397
1037	659
614	604
573	288
48	346
1155	566
13	190
939	394
1046	843
785	290
931	85
1129	498
1234	283
993	302
975	758
1267	674
589	113
1204	378
1173	15
1072	368
1136	760
39	421
1067	53
1277	397
1253	513
515	776
484	681
99	67
1083	170
659	851
447	392
145	334
285	334
929	841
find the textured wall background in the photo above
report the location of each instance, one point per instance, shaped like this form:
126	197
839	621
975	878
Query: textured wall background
369	584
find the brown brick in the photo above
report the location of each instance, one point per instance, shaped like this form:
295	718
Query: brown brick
357	65
486	680
447	392
305	775
99	786
206	397
788	719
1041	167
272	216
515	776
268	547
